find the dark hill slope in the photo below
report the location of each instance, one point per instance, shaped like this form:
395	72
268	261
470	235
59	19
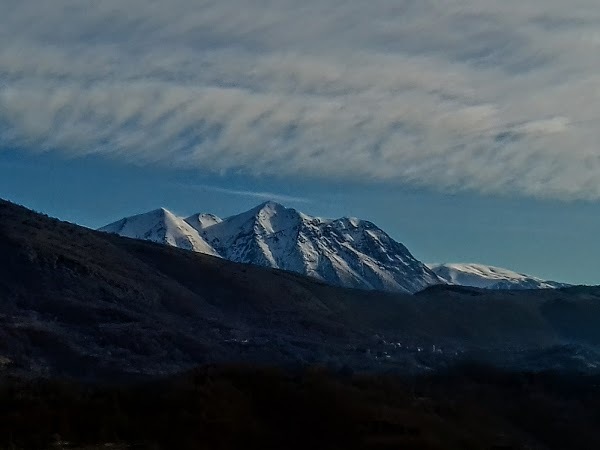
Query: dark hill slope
78	302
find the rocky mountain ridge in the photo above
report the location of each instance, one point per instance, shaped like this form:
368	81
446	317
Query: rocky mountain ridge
346	252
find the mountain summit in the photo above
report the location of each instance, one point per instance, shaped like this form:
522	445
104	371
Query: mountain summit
345	252
489	277
161	226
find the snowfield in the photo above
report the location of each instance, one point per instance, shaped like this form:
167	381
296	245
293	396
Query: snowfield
489	277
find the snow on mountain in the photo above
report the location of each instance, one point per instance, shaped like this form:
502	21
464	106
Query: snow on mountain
201	221
489	277
161	226
345	252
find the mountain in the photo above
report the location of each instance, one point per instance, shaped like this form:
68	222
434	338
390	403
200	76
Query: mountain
163	227
87	304
345	252
489	277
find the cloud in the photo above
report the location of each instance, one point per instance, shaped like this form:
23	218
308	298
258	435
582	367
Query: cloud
478	95
246	193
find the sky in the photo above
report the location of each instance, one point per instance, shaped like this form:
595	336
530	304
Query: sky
467	129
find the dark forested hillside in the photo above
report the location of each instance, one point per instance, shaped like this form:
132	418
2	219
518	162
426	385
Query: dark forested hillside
467	408
82	303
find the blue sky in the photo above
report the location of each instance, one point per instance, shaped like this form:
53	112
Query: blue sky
468	129
549	238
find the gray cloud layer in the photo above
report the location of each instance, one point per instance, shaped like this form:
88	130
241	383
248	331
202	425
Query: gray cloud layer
496	97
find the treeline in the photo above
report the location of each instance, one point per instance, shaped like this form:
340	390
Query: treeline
469	407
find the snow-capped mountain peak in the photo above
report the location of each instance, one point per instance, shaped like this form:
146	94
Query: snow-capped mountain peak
274	218
162	226
490	277
346	252
201	221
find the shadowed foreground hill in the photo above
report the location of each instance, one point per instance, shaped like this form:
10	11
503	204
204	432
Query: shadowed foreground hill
468	408
82	303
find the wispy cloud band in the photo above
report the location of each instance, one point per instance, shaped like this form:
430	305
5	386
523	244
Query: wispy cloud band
247	193
495	97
